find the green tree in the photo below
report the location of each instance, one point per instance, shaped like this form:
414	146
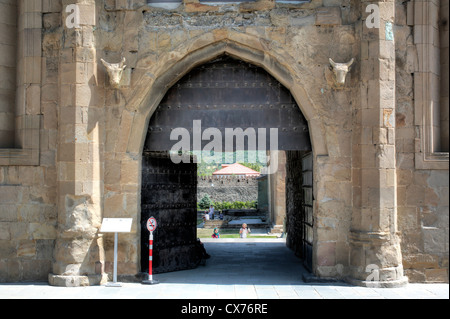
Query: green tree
205	202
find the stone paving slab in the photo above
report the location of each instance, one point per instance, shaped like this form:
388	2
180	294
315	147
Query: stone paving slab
210	291
239	270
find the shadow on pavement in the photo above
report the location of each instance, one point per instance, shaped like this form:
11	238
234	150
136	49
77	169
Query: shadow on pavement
235	263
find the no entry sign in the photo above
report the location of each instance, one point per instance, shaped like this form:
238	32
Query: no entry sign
151	224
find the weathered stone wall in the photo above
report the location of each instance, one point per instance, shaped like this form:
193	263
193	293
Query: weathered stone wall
28	193
228	189
78	141
422	194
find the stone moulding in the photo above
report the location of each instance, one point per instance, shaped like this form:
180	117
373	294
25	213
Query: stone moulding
369	237
381	284
422	15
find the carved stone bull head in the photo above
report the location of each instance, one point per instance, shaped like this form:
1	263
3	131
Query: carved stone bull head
340	70
115	72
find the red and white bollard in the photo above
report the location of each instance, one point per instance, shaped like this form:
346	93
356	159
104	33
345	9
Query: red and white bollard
151	226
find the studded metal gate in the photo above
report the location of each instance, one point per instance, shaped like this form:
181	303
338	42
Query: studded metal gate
299	205
169	193
229	94
307	219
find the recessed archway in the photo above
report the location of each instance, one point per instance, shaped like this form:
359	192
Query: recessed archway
224	94
150	84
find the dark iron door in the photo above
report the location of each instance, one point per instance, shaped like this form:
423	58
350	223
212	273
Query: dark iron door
227	93
307	210
294	202
169	193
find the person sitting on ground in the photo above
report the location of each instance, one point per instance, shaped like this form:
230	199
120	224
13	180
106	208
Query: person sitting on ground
216	233
244	231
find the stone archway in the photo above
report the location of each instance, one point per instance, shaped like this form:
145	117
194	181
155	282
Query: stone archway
81	251
149	89
222	95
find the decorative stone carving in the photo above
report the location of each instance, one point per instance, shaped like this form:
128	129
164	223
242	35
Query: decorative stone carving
115	72
340	70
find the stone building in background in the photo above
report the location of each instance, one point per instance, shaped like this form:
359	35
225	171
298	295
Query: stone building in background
372	205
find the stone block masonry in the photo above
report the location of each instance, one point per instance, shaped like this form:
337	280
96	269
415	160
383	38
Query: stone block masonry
229	189
71	145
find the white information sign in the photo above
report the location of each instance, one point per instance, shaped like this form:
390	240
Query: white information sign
116	225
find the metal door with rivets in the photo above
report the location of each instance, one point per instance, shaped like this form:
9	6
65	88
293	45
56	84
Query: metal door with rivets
229	94
307	219
169	193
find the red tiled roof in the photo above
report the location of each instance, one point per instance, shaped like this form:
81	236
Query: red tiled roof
236	169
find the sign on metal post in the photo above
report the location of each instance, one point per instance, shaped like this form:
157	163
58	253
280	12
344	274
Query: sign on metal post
151	226
115	225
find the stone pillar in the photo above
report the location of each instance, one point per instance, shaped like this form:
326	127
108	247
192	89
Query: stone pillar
277	189
78	253
375	255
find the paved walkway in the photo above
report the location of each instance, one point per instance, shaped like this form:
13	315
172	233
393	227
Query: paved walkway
246	269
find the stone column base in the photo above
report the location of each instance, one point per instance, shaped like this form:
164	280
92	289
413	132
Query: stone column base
77	281
376	260
379	284
277	229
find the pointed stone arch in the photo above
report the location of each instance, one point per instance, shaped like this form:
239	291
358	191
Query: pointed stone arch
152	78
